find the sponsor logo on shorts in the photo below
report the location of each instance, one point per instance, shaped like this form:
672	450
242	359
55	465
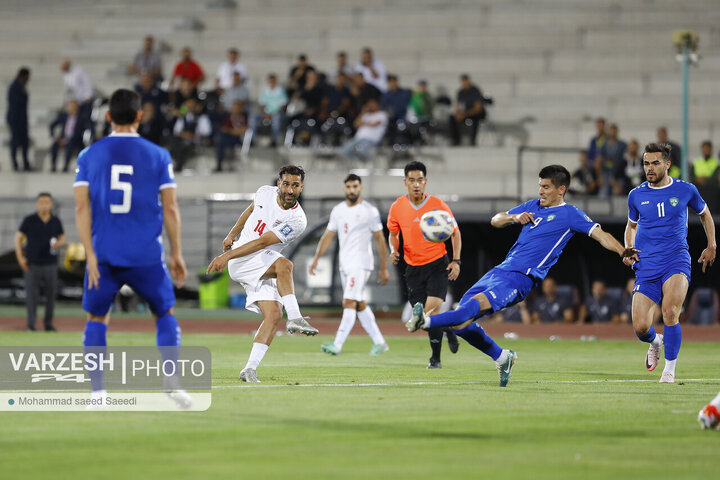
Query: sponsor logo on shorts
493	294
286	230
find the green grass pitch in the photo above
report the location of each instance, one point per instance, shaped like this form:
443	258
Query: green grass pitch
572	410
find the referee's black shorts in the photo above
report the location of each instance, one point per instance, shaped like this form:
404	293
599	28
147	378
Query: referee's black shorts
429	280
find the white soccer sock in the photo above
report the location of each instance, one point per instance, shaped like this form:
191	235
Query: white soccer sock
256	355
503	356
657	341
716	401
367	320
670	366
291	306
346	325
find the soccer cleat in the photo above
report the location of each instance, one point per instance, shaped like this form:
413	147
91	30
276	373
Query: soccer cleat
181	398
379	349
452	339
505	368
330	348
249	375
300	325
653	356
418	320
709	417
434	364
667	377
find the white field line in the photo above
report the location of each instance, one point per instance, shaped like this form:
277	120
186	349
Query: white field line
413	384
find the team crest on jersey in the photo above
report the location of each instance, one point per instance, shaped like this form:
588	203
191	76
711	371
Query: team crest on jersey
550	218
673	201
286	230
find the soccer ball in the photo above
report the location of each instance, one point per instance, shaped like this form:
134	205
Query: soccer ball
709	417
437	226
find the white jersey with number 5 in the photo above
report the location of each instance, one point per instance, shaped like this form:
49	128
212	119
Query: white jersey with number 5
269	216
355	227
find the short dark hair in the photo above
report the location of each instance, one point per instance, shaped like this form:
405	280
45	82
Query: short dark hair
234	50
663	148
44	194
557	174
415	165
464	76
392	76
124	105
23	72
302	56
292	170
352	178
706	142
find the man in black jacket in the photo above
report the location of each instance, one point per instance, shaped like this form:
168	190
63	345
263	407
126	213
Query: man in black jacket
17	117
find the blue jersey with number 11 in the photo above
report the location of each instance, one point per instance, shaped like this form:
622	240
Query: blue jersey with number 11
125	174
661	217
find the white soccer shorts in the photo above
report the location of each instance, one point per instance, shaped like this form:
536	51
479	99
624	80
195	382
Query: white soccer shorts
247	271
354	283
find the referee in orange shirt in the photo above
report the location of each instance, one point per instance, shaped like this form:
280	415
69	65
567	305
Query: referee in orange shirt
428	269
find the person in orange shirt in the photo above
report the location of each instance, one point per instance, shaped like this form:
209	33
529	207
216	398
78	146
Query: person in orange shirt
428	269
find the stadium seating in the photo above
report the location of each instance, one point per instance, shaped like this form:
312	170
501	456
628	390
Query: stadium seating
704	307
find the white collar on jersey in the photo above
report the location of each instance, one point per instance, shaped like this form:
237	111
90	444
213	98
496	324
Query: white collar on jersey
672	180
123	134
553	206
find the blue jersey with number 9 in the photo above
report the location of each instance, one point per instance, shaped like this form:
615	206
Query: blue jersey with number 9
661	216
125	174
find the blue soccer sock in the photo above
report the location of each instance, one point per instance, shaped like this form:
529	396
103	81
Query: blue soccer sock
648	337
460	315
672	338
95	342
475	335
168	335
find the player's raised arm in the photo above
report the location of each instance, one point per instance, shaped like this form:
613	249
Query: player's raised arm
237	228
609	242
171	220
503	219
708	255
322	247
383	274
83	221
266	239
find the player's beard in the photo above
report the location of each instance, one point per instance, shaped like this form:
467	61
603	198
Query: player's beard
659	177
287	202
352	198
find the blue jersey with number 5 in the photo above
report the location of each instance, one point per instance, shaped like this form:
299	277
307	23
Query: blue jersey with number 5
125	174
661	216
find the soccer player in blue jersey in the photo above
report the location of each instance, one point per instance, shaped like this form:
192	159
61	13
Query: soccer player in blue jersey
657	227
548	223
124	192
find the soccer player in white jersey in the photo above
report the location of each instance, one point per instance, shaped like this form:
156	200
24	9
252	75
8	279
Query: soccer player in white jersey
355	222
272	221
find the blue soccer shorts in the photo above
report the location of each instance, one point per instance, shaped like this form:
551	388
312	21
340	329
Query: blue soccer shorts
502	288
650	283
151	282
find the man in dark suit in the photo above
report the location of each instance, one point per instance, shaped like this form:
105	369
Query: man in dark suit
70	137
17	117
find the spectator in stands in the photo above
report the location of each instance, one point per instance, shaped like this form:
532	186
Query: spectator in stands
147	62
370	128
271	106
597	141
311	94
190	130
549	307
151	92
395	100
372	69
337	99
584	179
625	314
469	110
17	118
362	92
232	132
705	174
238	92
675	152
79	87
342	67
152	125
187	68
634	171
421	102
517	313
70	137
298	75
184	93
599	307
225	74
610	163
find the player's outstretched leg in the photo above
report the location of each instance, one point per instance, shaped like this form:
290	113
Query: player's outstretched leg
504	359
709	416
465	312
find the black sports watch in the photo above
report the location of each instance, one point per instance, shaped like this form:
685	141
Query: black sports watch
456	260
